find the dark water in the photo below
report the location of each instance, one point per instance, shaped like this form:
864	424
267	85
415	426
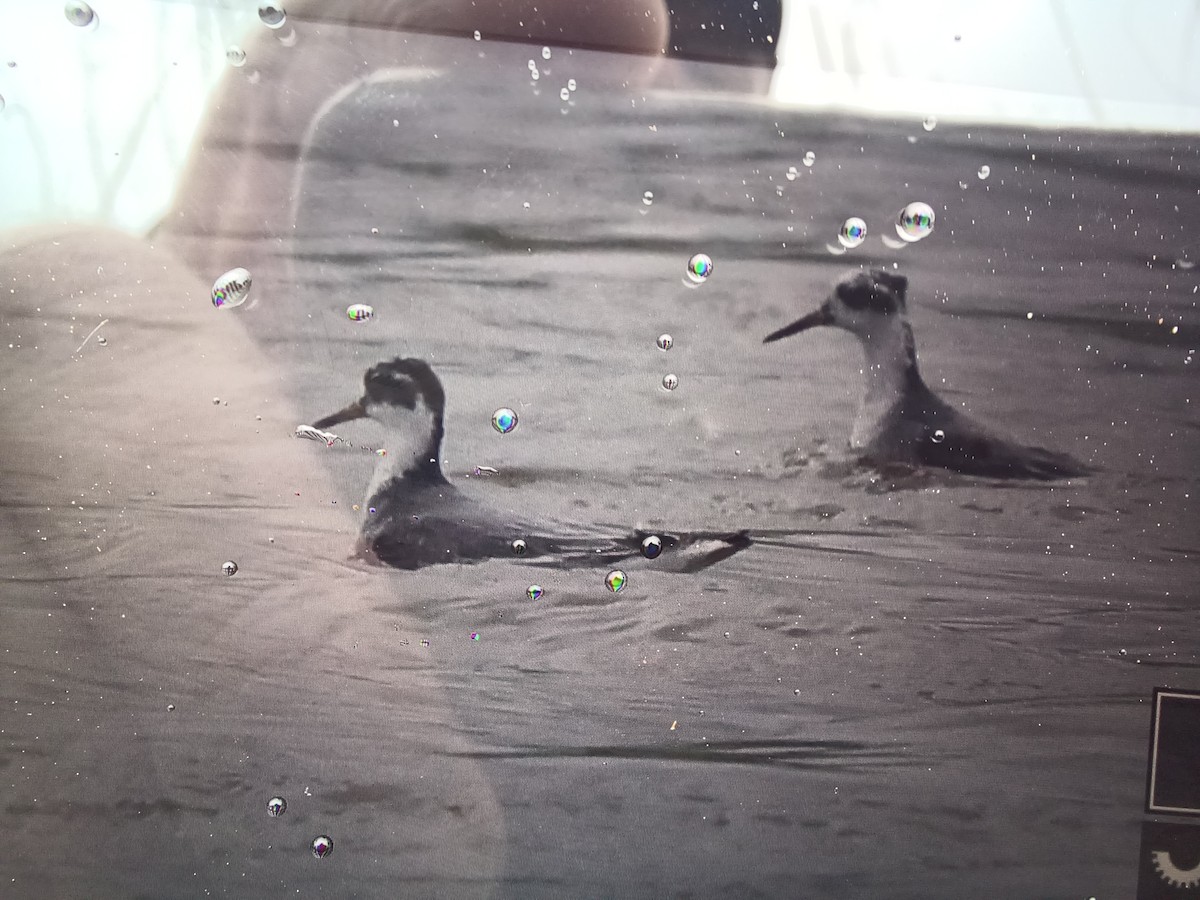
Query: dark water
929	686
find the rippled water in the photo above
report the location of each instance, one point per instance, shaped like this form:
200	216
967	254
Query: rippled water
911	686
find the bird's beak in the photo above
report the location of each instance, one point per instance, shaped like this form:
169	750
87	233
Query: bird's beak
821	316
355	410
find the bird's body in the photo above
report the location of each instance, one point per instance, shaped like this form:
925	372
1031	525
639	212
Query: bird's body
900	420
415	517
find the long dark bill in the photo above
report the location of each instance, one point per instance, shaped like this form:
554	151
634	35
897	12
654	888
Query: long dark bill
355	410
817	317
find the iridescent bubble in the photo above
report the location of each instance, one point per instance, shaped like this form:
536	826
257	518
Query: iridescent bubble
519	547
571	86
792	173
80	14
915	222
564	95
478	36
652	547
236	56
670	381
276	807
665	342
938	436
321	846
809	159
475	635
853	233
545	53
930	123
984	172
271	15
229	567
504	420
615	580
360	312
699	267
535	592
231	289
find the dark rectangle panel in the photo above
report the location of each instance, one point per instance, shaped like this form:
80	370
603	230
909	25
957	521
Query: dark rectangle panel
1173	777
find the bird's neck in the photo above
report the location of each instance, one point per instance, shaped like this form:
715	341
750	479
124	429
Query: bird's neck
413	456
890	375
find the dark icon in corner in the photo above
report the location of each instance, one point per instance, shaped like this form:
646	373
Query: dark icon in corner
1173	775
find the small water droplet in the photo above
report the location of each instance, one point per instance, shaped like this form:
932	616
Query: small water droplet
699	267
276	807
216	401
853	233
519	547
571	85
984	172
938	436
665	342
235	56
962	185
271	15
504	420
930	123
360	312
170	707
322	846
545	53
652	547
670	382
915	222
792	173
229	567
534	592
80	14
809	159
231	289
564	95
102	341
1123	651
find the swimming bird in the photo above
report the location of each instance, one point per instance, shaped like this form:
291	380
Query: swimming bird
900	419
416	517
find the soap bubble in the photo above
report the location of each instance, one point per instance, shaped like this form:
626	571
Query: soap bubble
360	312
519	547
322	846
231	289
984	172
938	436
236	56
652	547
665	342
80	14
504	420
670	381
229	567
545	53
853	233
930	123
564	95
615	580
276	807
571	86
792	173
478	36
699	267
271	15
915	222
809	159
648	197
535	592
